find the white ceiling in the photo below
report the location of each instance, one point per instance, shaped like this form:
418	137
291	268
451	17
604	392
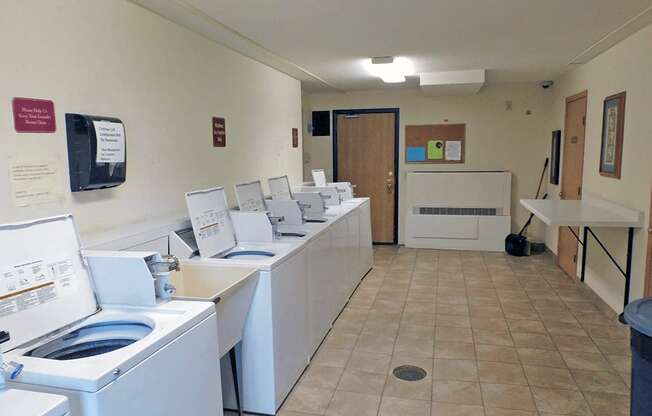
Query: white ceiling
514	40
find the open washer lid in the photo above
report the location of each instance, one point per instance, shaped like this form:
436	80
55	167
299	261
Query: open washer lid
319	177
211	224
250	197
44	284
280	188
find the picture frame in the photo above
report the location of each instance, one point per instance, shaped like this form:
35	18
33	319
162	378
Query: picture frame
613	128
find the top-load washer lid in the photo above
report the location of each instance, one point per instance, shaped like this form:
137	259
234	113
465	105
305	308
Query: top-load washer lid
211	224
280	188
319	177
250	197
44	284
14	402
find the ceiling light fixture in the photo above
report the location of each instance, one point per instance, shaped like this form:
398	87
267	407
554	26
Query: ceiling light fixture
391	70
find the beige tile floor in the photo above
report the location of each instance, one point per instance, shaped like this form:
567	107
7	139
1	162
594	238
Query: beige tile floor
498	336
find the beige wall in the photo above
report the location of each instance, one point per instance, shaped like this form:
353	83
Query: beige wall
625	67
116	59
497	139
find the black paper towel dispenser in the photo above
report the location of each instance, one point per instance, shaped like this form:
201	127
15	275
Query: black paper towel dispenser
97	152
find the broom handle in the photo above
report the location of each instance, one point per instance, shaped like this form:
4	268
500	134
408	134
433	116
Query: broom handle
527	224
543	173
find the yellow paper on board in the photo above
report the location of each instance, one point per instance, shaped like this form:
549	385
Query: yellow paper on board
435	149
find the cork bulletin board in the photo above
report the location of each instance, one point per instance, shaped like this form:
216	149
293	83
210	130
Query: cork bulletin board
435	143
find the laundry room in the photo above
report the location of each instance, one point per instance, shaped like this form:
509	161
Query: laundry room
295	208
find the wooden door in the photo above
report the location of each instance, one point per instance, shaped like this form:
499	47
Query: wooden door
365	157
571	180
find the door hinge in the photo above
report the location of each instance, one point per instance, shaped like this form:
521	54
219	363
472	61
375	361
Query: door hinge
584	120
579	190
574	258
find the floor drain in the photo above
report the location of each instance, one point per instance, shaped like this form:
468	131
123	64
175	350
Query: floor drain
409	373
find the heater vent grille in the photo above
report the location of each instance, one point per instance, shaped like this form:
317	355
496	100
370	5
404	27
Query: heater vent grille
456	211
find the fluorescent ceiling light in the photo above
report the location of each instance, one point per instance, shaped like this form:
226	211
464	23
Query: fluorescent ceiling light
390	70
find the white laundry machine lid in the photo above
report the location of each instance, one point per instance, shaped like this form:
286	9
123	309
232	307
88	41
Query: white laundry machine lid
211	224
280	188
319	177
15	402
250	197
44	284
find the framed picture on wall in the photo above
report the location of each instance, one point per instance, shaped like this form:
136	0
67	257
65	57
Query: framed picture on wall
613	128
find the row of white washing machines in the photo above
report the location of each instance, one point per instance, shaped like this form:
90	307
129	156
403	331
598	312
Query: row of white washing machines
107	331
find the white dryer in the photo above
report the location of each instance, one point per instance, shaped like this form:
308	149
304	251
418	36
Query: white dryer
274	350
106	359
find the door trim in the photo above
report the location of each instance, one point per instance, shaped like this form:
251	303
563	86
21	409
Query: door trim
396	113
648	260
581	95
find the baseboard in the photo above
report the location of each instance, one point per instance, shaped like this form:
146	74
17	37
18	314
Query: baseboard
595	299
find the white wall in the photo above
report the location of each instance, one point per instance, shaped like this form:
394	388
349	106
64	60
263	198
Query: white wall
496	139
625	67
116	59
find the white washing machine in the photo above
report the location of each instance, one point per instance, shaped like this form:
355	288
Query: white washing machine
312	204
108	360
274	349
28	403
254	211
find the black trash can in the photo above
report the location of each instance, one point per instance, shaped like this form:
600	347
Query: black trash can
638	315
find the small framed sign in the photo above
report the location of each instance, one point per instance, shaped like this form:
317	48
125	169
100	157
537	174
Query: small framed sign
295	137
613	128
219	132
33	115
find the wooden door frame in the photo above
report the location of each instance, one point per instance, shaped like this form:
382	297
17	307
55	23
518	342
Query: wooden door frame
578	96
396	113
575	97
648	260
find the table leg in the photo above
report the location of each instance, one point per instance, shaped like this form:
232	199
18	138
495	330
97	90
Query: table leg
585	249
628	267
236	384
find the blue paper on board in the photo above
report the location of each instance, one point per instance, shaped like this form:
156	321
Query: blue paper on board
415	154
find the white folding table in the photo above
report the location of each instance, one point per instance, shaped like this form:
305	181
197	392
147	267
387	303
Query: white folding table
590	211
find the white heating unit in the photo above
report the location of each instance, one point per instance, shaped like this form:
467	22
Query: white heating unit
458	210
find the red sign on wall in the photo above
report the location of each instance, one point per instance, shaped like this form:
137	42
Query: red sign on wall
219	132
34	116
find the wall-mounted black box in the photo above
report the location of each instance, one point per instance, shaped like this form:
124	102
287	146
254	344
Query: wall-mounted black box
555	149
321	123
93	163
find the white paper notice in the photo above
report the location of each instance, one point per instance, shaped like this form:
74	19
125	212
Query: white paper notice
34	181
453	150
110	142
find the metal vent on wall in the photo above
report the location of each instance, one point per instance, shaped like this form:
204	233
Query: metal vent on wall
456	211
